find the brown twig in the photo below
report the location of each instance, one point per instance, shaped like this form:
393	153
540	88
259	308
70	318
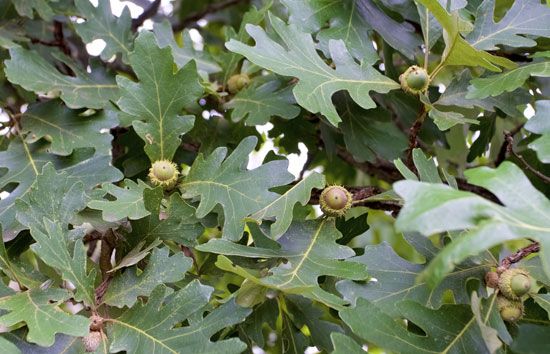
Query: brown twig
194	17
509	138
504	148
413	137
519	255
147	13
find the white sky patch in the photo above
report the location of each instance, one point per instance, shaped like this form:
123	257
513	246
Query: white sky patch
197	39
95	47
529	111
117	6
147	24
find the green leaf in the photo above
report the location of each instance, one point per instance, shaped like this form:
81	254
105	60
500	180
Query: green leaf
135	255
178	223
101	24
344	22
311	251
345	345
457	50
370	134
450	329
8	347
433	208
28	69
543	300
39	310
455	96
282	207
400	35
506	82
149	328
525	17
183	55
68	129
317	80
18	270
226	181
447	120
24	162
27	7
153	105
47	216
258	103
396	278
540	124
531	339
125	289
230	61
128	202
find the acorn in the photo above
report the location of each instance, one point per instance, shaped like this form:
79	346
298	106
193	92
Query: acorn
237	82
92	341
97	323
164	173
514	283
491	279
414	80
510	310
335	201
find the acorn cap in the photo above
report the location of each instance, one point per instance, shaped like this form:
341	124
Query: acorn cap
514	283
92	341
164	173
335	201
414	80
510	310
237	82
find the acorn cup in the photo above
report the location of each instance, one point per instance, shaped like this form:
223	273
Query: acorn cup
335	201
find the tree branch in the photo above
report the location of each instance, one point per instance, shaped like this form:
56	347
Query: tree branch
413	137
509	138
147	13
519	255
194	17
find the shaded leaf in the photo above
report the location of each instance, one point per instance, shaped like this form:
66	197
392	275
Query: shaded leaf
282	207
400	35
101	24
318	81
532	339
540	124
344	22
370	134
27	8
345	345
396	278
47	216
149	328
258	103
220	180
525	17
161	268
183	55
28	69
39	310
67	128
449	329
447	120
24	162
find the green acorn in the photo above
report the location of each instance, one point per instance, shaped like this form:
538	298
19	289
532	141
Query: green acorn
237	82
164	173
510	310
92	341
335	201
514	283
414	80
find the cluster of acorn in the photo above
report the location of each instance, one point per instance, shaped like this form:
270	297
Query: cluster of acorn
512	285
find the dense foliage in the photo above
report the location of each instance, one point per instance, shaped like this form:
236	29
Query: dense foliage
147	204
